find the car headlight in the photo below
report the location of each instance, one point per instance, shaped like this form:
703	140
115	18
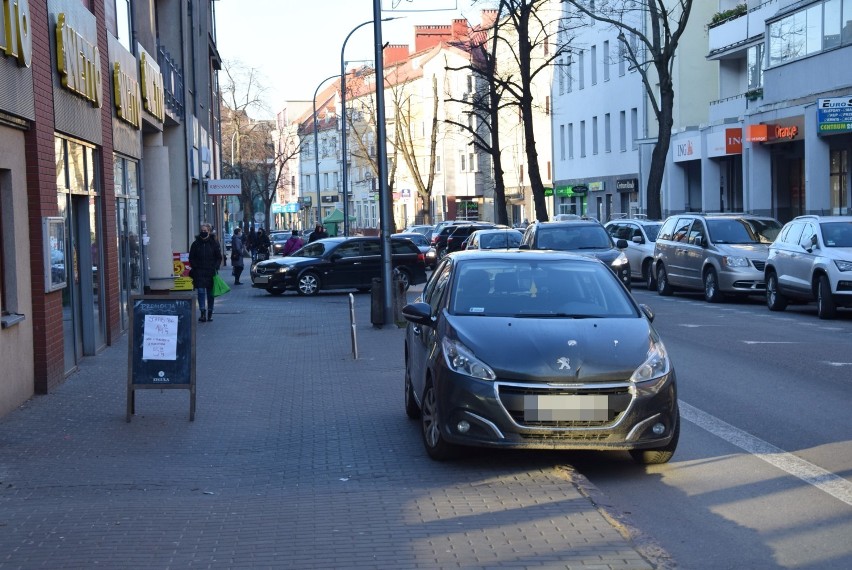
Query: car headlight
620	260
656	365
284	269
843	265
460	359
735	261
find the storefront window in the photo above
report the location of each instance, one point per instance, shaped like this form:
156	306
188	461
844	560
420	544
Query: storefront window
839	182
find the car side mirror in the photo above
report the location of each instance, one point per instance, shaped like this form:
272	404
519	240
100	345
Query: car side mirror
638	239
814	241
418	313
649	314
524	246
621	244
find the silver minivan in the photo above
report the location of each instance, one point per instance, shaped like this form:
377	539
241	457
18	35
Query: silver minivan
719	254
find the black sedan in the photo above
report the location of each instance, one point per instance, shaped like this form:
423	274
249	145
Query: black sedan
529	349
338	263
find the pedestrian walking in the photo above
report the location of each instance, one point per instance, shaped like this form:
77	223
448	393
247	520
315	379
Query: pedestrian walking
205	257
318	233
262	245
252	244
237	249
293	244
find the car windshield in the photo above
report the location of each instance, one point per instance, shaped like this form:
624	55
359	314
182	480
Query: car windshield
837	234
315	249
743	231
534	288
572	238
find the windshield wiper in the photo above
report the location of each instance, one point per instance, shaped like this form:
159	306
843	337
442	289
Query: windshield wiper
552	316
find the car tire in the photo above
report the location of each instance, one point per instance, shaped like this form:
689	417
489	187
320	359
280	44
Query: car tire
711	287
275	292
442	253
658	455
775	300
404	277
663	287
308	284
826	308
430	427
412	410
648	274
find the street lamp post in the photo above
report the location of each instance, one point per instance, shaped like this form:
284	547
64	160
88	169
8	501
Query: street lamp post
345	165
316	143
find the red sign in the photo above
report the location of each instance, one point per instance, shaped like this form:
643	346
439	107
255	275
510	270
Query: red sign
757	133
733	141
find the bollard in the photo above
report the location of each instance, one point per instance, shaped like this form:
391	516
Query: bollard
353	327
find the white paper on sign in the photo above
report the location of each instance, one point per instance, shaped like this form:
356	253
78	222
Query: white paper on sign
159	337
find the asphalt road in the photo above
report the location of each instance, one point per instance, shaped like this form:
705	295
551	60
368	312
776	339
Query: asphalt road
763	474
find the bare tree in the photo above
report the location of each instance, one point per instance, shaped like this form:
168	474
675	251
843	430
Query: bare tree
524	47
658	26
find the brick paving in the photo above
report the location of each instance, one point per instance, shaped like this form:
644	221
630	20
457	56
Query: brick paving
299	457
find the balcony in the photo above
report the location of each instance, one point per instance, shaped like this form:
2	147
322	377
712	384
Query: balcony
729	108
172	84
736	33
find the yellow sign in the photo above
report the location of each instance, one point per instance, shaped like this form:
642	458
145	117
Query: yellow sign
78	62
183	282
153	94
126	92
16	39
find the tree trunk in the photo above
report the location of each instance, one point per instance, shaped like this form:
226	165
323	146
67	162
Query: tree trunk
661	149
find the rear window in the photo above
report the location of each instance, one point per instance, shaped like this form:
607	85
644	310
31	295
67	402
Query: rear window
743	230
572	238
403	246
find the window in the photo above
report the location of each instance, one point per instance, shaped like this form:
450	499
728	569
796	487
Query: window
570	140
561	142
325	180
594	135
437	164
605	60
547	105
831	22
122	21
561	75
473	162
622	58
838	176
582	69
634	127
593	62
582	139
622	127
755	66
801	33
463	162
607	137
568	78
521	174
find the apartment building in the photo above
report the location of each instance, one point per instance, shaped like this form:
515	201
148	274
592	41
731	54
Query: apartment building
107	134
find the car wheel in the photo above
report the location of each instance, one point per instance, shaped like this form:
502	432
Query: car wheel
775	300
412	410
442	253
430	422
403	277
711	287
275	292
663	286
658	455
648	275
308	284
826	309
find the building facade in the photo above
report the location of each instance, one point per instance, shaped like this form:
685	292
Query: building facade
84	115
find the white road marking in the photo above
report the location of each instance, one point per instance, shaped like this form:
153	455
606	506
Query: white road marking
839	364
826	481
769	342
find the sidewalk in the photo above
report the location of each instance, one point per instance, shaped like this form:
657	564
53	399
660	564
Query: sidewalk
299	457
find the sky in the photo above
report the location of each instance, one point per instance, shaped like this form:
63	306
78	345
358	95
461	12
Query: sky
296	44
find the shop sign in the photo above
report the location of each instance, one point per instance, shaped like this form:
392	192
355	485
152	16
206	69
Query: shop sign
405	193
687	148
598	186
791	130
834	115
627	185
291	208
757	133
78	61
329	199
733	141
126	93
548	192
153	93
225	187
15	31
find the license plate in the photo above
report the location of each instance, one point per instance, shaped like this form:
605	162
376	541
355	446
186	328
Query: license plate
586	408
261	279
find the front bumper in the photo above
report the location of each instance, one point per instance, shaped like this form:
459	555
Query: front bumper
749	280
596	416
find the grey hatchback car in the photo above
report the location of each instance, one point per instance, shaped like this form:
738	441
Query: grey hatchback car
719	254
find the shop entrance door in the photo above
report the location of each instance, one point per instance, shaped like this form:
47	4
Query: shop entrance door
789	175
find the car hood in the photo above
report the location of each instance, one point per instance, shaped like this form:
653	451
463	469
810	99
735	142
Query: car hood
557	349
272	265
752	250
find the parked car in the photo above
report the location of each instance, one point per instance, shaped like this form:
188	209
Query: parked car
457	237
641	234
582	367
439	239
440	227
278	239
584	236
431	258
811	260
421	241
425	230
719	254
498	238
338	263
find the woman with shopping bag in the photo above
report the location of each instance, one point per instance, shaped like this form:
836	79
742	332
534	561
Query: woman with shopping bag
205	257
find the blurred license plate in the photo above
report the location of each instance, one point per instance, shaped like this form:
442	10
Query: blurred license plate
566	408
262	279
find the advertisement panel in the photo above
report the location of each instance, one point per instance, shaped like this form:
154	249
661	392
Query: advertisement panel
834	116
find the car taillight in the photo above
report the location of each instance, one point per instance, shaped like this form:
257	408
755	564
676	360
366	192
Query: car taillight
421	257
434	240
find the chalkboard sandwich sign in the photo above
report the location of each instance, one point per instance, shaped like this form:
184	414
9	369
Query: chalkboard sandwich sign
162	346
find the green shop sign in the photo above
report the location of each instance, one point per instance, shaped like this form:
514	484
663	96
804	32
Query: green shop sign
571	191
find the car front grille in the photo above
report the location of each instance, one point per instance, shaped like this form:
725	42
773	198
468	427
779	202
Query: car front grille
266	269
512	398
759	265
566	436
